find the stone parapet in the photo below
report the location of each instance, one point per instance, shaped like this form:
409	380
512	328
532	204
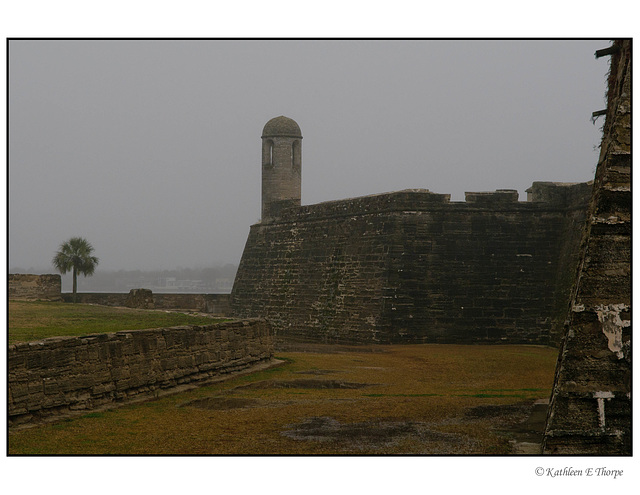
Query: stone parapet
562	194
541	196
492	198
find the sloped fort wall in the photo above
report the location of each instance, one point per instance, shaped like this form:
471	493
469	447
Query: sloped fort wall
58	376
590	407
411	266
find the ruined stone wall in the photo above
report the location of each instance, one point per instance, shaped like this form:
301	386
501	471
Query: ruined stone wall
217	304
412	267
55	377
34	287
590	407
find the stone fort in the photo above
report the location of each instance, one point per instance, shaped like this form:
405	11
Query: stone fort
408	266
401	267
412	266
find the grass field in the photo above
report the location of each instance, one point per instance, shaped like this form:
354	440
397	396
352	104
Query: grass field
38	320
412	399
386	400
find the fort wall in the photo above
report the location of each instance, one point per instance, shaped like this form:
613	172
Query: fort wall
34	287
412	266
56	377
590	407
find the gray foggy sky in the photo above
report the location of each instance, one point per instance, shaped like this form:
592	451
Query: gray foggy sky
151	149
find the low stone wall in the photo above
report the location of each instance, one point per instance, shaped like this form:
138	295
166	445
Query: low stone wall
217	304
34	287
56	377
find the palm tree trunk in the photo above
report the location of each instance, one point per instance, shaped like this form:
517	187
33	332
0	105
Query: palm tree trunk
75	285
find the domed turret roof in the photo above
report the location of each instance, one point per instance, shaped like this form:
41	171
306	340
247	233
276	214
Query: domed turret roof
281	126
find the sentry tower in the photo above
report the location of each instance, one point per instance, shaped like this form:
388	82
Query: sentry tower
281	166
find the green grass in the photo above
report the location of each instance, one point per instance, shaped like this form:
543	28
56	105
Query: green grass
30	321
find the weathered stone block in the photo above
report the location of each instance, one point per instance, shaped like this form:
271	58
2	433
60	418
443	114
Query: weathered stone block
140	298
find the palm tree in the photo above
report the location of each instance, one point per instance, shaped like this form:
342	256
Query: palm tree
75	254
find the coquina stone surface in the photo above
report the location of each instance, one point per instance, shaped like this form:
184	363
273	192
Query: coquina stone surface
34	287
56	377
590	408
408	266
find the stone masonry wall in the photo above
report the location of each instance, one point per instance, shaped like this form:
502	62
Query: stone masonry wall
55	377
412	267
590	407
217	304
34	287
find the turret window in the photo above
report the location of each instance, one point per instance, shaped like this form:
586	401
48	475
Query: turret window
267	153
296	156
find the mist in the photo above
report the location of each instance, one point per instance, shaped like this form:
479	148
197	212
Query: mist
151	149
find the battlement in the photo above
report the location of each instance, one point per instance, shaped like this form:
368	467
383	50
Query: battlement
501	196
541	195
407	200
282	184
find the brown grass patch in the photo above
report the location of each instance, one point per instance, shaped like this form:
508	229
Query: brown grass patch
221	403
306	384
